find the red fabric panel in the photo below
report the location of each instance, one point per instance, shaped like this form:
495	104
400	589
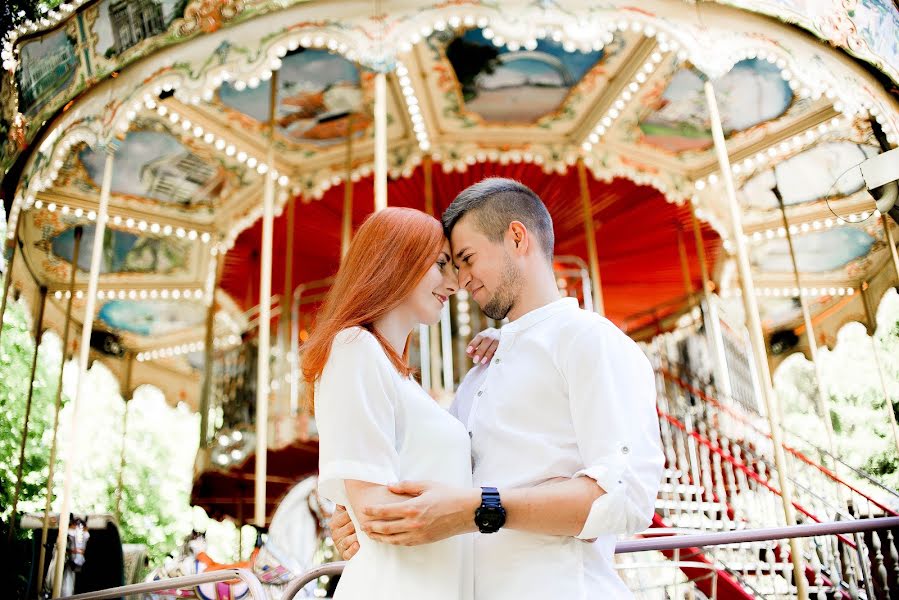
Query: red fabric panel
636	232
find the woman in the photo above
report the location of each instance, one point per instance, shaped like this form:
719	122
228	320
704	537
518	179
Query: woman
376	425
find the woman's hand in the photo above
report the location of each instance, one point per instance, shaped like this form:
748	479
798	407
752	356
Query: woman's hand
343	533
483	346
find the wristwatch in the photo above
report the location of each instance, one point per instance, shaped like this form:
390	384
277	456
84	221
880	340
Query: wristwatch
491	515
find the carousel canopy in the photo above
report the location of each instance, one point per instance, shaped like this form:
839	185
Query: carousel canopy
198	103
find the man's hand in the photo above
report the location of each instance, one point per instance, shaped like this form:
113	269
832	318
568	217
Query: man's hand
436	512
343	533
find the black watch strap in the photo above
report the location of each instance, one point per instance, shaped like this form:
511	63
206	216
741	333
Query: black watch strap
490	497
491	515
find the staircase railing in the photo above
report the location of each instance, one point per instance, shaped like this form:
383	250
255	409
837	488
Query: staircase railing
682	542
187	582
715	482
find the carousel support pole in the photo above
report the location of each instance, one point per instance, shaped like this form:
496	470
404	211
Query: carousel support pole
72	454
872	325
380	141
346	225
285	321
684	264
757	337
713	325
424	352
7	279
446	347
129	365
209	357
38	334
76	254
590	235
823	405
265	321
427	166
891	242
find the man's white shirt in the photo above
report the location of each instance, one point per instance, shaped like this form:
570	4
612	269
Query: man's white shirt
567	394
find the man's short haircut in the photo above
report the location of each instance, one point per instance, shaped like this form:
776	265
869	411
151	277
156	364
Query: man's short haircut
494	203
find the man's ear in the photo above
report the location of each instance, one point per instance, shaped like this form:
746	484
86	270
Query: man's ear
518	236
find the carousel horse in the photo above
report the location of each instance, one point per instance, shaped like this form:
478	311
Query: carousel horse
291	546
76	542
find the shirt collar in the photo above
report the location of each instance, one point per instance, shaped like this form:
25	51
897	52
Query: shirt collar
539	314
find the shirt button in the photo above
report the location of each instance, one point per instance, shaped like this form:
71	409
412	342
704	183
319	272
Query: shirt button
480	392
496	361
625	449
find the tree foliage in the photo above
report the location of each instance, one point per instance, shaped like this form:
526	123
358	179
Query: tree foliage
853	383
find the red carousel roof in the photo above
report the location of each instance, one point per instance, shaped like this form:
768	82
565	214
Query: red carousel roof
636	231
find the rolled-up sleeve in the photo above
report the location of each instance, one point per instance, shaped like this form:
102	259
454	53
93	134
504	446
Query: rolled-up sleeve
355	416
613	407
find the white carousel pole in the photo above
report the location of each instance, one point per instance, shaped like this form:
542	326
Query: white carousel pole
265	318
756	336
83	356
590	237
380	141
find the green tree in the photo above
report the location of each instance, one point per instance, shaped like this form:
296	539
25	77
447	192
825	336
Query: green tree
855	394
16	352
160	447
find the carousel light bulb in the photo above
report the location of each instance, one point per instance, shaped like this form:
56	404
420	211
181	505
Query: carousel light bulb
78	212
142	225
230	150
205	237
167	230
251	162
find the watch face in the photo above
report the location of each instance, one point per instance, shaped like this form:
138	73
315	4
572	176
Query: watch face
490	518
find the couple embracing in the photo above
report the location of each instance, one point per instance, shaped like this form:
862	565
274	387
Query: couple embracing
550	450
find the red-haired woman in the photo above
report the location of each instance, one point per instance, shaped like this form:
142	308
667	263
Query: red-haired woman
376	425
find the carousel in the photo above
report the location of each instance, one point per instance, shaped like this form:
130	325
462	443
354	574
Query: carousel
181	178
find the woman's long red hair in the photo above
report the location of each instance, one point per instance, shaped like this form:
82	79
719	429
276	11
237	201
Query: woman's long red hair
388	257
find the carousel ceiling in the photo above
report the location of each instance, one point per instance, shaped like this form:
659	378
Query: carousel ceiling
210	99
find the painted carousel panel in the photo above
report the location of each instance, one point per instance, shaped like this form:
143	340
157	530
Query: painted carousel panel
816	252
155	165
510	84
827	170
152	317
124	251
321	97
47	66
123	24
750	94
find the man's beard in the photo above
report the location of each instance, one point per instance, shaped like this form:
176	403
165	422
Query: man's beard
503	299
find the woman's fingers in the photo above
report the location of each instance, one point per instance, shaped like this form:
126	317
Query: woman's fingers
489	349
347	546
340	518
351	551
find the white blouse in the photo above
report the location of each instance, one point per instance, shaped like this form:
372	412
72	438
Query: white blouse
375	425
566	395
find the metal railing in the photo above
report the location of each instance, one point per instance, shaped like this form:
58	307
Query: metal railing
677	542
189	581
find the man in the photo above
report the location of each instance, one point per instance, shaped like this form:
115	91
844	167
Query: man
564	432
